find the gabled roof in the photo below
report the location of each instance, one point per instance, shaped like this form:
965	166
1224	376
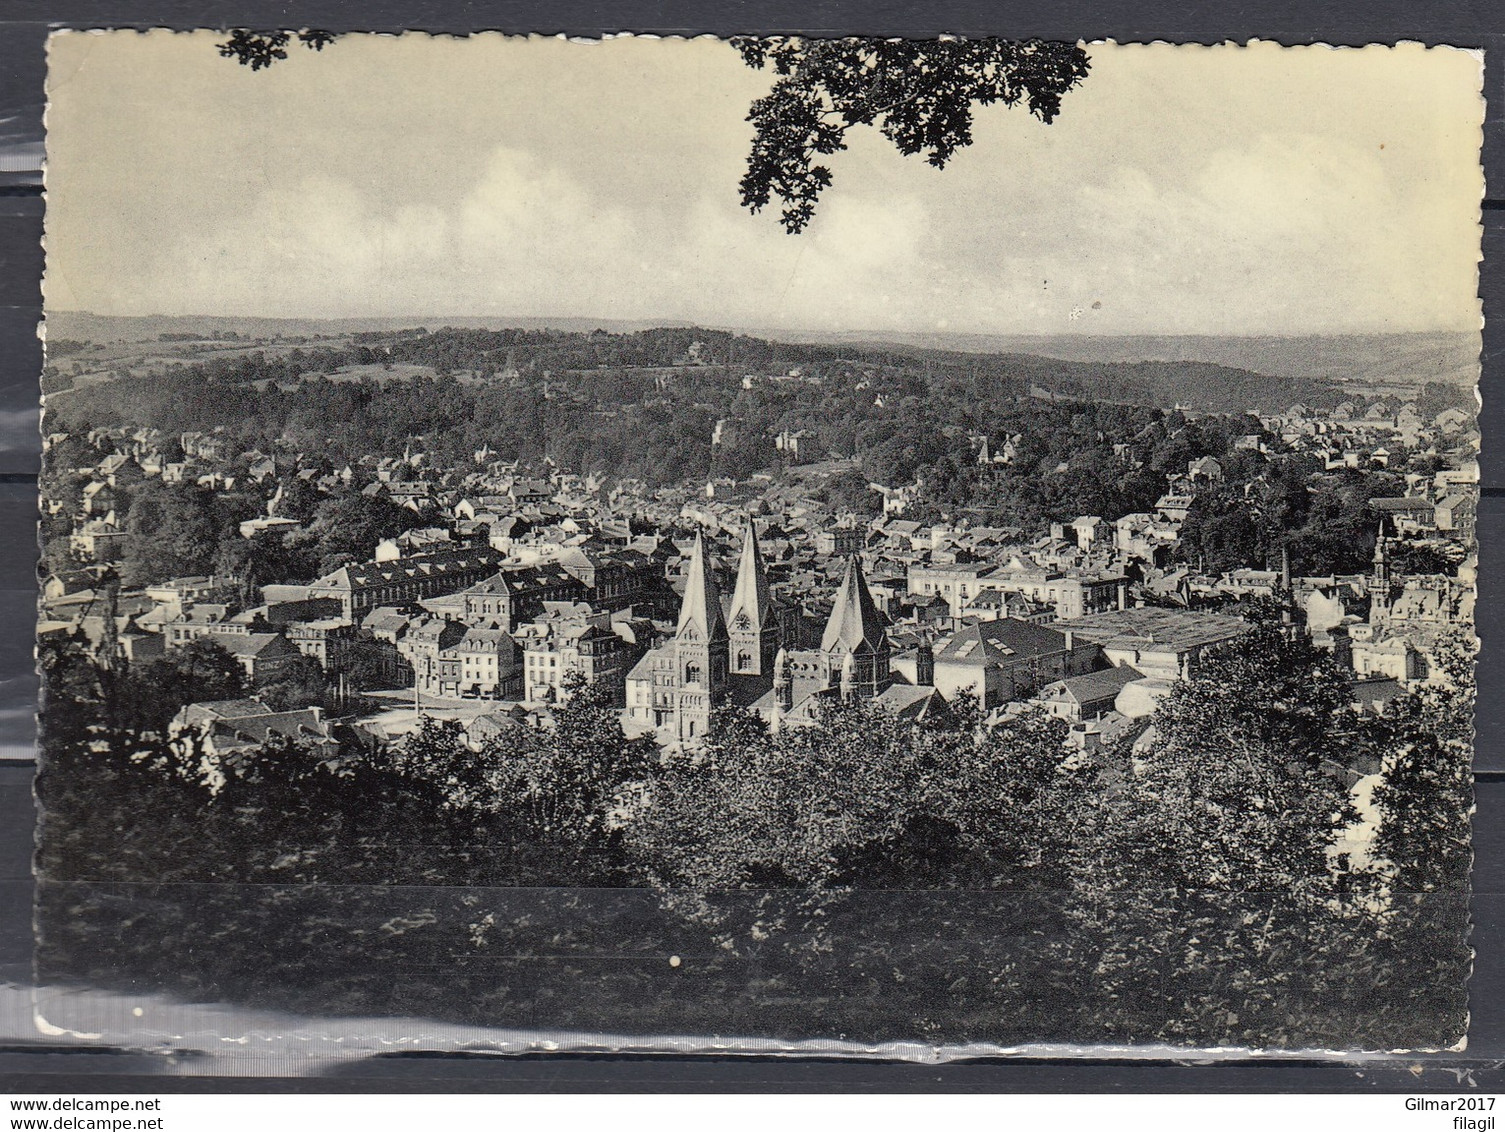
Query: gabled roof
205	613
480	640
1401	504
1376	693
854	620
386	618
1000	640
254	730
224	709
1093	687
437	563
643	669
909	701
253	644
1170	629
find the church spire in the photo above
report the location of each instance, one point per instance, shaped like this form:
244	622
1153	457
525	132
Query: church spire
854	622
701	607
750	615
751	595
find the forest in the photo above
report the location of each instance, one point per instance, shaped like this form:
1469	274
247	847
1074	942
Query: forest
864	877
630	404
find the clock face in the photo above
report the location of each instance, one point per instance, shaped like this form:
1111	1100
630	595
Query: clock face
743	622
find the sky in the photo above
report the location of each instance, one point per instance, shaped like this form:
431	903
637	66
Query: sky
1181	190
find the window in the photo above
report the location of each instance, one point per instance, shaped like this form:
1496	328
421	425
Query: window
692	674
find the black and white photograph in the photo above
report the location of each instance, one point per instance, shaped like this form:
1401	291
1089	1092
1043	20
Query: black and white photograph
884	547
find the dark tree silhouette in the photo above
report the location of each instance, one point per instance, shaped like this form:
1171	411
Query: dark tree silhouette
918	92
258	49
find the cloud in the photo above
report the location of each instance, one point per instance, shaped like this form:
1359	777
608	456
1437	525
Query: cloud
1181	190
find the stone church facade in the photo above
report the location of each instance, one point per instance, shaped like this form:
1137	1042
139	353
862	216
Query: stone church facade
730	652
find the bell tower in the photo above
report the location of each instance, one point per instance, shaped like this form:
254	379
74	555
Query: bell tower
700	649
855	642
752	638
1379	582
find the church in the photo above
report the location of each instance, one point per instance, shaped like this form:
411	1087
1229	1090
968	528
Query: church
730	651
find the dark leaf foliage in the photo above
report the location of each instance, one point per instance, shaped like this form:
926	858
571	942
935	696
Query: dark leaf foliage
919	93
864	877
258	49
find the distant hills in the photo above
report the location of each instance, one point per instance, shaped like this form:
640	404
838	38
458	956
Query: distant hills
1414	358
1306	366
90	327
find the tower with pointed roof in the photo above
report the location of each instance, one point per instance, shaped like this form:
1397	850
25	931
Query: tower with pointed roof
855	642
750	627
852	662
700	648
1379	582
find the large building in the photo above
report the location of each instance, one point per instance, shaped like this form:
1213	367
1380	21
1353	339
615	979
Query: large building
261	655
609	582
1089	696
675	686
220	727
1429	599
455	661
854	650
1165	644
720	650
327	640
572	639
1070	594
732	653
1003	660
517	594
360	588
854	662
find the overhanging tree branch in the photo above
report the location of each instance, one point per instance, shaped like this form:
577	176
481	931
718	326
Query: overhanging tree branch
258	49
919	93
